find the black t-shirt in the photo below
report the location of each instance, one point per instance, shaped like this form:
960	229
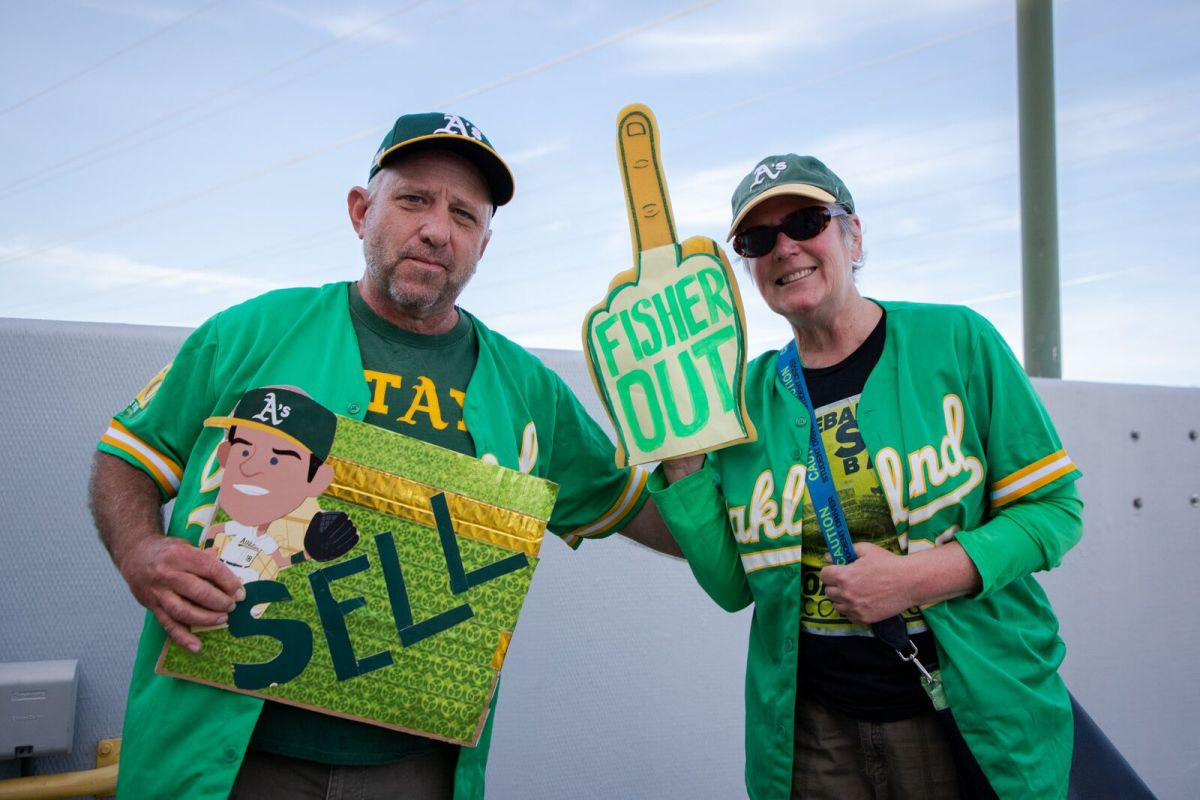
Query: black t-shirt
840	664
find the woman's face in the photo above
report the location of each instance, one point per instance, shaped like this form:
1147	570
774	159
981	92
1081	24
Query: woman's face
804	281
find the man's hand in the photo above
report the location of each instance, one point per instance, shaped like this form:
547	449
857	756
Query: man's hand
180	584
881	584
676	469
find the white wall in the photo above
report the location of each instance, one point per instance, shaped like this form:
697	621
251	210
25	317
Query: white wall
623	680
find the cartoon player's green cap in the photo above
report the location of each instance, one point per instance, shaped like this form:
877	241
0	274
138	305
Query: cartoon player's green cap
286	413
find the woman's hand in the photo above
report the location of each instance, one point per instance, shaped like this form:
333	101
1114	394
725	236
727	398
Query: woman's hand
881	584
872	588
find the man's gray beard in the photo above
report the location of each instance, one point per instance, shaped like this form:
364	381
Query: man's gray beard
402	301
381	277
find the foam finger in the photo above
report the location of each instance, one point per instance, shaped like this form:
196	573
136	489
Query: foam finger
651	222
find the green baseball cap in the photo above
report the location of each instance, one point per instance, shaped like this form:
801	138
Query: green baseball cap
437	131
284	412
790	174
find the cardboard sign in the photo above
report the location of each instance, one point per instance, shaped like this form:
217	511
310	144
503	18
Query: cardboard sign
666	348
388	594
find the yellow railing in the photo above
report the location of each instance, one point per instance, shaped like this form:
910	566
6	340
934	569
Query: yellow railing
100	782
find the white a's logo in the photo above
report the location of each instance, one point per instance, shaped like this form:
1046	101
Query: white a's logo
763	172
272	410
454	124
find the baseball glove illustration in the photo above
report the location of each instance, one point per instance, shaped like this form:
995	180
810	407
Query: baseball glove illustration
330	535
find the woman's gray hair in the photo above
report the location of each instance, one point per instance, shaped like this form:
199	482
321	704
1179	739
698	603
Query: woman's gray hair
849	235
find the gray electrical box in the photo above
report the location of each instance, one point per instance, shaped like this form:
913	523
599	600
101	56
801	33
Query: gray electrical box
37	700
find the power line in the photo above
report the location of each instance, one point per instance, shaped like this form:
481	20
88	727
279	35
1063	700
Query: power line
349	139
583	51
136	137
488	87
184	199
110	57
1143	190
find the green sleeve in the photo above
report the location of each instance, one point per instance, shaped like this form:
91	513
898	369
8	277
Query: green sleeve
1035	514
1025	537
157	430
695	512
595	497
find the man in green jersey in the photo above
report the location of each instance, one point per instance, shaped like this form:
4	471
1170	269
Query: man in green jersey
393	349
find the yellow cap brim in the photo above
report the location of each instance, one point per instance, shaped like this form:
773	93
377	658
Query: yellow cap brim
787	189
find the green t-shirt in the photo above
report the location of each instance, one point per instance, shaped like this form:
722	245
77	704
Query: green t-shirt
418	384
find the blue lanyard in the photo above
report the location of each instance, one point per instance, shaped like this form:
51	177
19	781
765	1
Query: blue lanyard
821	489
832	521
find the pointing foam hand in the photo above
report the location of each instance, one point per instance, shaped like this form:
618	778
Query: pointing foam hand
667	347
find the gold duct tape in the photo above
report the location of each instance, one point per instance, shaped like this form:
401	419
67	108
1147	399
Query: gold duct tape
409	499
501	650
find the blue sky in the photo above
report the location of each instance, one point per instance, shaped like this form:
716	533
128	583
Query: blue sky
162	160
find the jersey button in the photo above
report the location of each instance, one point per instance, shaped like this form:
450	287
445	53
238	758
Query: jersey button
801	421
795	455
353	408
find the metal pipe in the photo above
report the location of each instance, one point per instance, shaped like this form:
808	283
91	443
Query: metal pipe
101	782
1039	189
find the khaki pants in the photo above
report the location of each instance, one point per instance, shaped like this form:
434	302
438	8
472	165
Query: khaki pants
427	776
840	758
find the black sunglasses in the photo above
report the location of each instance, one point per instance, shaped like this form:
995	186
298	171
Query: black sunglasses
801	224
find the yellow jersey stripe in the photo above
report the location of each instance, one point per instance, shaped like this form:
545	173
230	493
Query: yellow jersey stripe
771	558
1034	467
1031	478
634	487
163	469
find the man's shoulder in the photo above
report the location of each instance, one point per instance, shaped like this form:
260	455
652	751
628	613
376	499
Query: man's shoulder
280	303
514	356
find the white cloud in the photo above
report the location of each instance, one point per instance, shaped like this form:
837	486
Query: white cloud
99	271
703	52
752	35
153	12
700	199
361	23
536	152
1129	121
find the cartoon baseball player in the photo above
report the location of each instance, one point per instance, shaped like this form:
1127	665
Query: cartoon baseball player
274	469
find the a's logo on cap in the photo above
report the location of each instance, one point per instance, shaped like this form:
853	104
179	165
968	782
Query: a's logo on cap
763	172
454	124
271	408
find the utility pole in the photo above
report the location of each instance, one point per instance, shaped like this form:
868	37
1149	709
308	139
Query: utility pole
1039	189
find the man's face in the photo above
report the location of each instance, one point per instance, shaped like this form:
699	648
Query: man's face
266	476
424	227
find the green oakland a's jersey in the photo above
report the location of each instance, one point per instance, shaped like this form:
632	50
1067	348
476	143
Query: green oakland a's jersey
962	449
183	738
